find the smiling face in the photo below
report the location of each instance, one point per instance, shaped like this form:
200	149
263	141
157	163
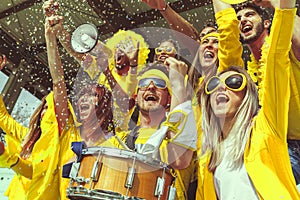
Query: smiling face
208	53
152	99
225	102
166	46
86	107
251	25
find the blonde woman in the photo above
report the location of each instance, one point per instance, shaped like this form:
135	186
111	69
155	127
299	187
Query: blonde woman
245	154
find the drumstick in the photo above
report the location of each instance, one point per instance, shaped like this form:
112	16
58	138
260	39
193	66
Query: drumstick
122	143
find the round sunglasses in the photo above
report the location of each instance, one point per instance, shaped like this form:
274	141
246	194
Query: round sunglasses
167	50
234	82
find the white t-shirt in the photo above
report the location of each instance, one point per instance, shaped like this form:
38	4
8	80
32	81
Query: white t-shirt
231	183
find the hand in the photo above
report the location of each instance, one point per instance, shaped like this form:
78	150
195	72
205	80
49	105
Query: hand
3	61
177	69
127	47
156	4
266	3
54	25
50	7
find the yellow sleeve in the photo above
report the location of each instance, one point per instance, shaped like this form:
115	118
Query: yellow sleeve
276	84
230	48
9	125
131	84
45	158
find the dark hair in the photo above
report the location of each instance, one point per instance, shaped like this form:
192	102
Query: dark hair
104	106
34	131
260	10
210	23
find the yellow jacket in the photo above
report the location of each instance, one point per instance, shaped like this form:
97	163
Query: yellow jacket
229	54
266	155
50	152
19	184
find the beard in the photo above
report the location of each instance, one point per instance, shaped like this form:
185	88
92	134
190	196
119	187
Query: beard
252	38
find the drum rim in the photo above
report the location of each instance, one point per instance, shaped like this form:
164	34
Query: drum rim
123	153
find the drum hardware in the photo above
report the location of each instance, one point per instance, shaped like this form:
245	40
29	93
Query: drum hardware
96	168
130	177
74	170
101	172
81	180
172	193
102	194
160	183
172	189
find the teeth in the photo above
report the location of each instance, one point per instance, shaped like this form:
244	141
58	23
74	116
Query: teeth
208	54
84	107
247	28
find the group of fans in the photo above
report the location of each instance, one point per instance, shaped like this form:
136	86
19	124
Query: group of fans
225	129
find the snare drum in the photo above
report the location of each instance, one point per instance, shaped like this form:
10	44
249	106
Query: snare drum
110	173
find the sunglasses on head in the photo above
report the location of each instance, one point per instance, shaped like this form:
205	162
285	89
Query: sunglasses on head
167	50
234	82
159	83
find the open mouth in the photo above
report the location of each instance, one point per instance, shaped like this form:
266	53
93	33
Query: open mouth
84	107
151	97
221	98
246	29
209	54
163	57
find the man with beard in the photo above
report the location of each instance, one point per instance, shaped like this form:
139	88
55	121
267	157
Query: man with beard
153	98
254	31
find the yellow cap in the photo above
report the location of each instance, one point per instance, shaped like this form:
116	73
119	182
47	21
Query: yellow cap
153	73
212	34
234	1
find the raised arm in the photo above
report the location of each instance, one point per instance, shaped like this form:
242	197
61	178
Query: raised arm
50	8
276	85
296	31
230	48
56	71
175	21
182	132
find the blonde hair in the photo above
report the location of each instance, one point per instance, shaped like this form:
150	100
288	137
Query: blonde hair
238	135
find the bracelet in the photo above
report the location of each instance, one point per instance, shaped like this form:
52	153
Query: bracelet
134	65
15	163
165	8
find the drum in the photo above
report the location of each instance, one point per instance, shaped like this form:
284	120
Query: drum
109	173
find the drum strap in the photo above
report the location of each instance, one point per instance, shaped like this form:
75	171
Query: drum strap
77	149
132	136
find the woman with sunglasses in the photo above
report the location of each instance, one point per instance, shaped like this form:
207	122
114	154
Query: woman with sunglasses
245	154
167	48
